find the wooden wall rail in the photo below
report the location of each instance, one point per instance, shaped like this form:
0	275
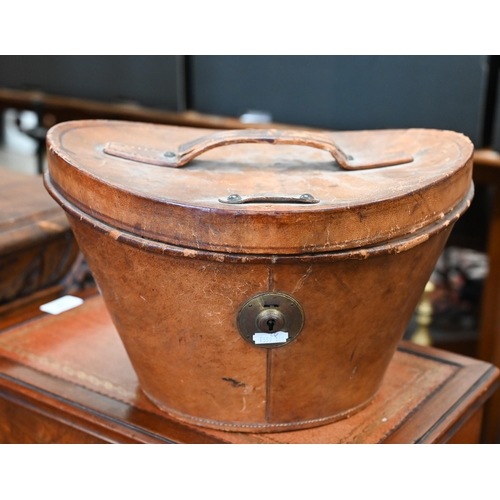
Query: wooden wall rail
69	108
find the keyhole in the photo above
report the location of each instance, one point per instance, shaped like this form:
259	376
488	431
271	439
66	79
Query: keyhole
270	321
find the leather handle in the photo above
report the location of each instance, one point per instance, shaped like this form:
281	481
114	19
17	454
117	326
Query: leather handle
190	150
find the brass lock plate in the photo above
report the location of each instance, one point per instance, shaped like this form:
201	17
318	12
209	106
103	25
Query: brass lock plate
270	319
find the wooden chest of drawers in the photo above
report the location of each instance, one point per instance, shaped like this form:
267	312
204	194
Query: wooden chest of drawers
37	247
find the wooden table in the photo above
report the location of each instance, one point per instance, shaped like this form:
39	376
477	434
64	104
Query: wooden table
39	257
67	379
487	171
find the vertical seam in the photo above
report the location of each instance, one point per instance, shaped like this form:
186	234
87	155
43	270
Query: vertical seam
270	288
270	279
268	384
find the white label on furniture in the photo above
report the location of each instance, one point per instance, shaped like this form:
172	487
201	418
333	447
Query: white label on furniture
62	304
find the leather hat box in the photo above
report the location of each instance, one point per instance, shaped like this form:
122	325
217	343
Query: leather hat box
258	284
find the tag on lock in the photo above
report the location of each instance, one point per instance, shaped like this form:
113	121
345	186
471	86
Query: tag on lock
270	319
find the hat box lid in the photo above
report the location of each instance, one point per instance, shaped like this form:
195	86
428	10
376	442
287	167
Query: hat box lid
271	192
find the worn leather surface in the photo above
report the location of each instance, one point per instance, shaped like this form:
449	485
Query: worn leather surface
181	206
189	150
177	320
175	306
82	347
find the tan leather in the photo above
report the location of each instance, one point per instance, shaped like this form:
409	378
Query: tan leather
176	307
81	347
181	206
188	151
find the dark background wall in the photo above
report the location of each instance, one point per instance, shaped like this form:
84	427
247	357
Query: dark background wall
346	92
493	105
334	92
154	81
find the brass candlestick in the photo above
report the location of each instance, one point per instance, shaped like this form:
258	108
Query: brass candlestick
422	335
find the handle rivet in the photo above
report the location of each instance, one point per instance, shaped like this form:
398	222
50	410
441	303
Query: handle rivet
234	197
306	196
170	154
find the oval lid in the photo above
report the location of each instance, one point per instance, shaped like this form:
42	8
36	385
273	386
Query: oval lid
298	199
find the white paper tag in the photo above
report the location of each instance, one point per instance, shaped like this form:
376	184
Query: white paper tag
62	304
270	338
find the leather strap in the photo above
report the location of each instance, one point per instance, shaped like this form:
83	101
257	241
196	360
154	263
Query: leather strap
189	150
